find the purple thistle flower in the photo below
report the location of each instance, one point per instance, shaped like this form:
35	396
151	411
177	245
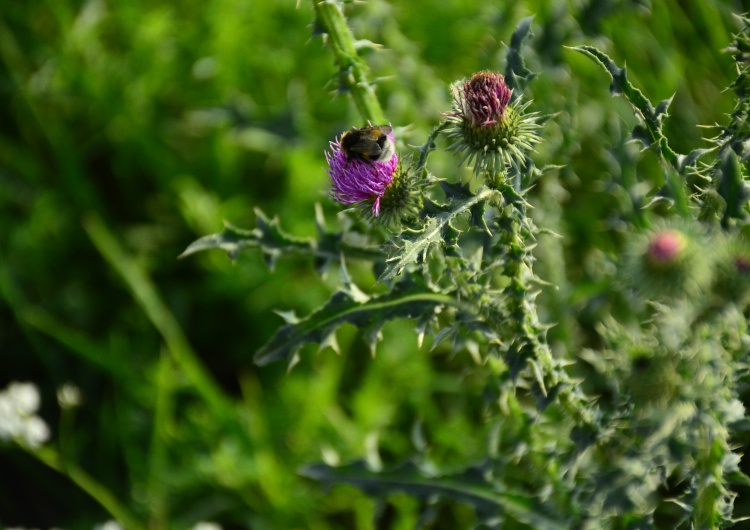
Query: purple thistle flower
355	180
482	100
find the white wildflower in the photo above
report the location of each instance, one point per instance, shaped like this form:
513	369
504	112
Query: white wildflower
18	421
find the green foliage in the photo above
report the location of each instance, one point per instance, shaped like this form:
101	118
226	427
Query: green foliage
350	305
516	72
273	242
535	367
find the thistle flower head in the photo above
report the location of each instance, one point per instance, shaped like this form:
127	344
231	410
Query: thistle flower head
356	180
668	262
486	128
402	199
482	100
665	247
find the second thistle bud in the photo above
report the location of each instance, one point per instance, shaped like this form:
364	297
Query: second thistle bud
664	248
486	129
668	263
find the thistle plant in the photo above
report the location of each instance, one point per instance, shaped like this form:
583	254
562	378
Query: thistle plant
645	440
575	371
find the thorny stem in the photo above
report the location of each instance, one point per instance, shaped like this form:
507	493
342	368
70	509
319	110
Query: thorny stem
352	69
529	335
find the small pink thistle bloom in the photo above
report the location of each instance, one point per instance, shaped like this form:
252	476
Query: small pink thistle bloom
355	180
482	100
665	247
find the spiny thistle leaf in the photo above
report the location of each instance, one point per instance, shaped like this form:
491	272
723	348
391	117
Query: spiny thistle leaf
274	242
650	133
412	250
268	236
490	500
517	76
415	244
731	184
456	191
689	160
407	299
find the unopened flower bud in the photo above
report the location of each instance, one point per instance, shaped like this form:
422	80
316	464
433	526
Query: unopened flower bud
487	130
668	263
665	247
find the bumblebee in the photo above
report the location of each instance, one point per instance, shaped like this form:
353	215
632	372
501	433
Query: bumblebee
369	144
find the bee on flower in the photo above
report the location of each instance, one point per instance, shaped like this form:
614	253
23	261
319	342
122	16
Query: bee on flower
365	169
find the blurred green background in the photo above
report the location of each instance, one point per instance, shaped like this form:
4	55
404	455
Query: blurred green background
129	128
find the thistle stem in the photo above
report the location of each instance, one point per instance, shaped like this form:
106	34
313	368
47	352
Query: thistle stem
526	334
352	69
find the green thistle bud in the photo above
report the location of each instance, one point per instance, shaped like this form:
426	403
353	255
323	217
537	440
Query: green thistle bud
486	129
667	263
401	200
